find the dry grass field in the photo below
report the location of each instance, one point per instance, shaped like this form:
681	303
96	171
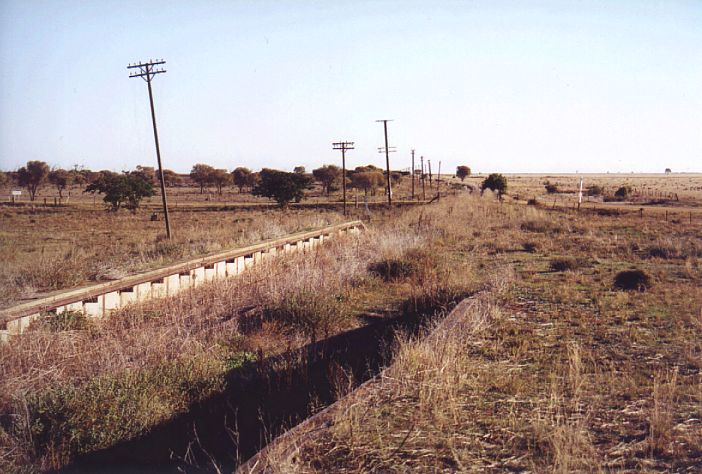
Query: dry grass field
44	249
555	369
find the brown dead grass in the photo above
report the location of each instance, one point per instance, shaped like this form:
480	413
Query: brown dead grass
562	374
46	249
567	375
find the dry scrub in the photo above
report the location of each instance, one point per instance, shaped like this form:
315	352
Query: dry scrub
72	385
46	249
559	373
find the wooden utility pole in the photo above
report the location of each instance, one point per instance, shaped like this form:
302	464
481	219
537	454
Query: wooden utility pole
387	151
424	190
343	146
147	72
413	175
429	166
438	183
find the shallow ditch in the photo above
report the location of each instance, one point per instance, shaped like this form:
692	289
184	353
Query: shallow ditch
261	401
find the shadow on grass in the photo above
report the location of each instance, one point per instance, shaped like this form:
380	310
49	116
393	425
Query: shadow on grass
262	399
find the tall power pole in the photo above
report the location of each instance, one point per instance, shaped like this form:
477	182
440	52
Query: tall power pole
429	165
343	146
424	190
147	71
413	175
387	158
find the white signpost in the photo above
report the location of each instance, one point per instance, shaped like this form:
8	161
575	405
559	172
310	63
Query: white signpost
15	194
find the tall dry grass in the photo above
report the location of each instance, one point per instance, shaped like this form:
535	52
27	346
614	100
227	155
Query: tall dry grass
48	249
75	385
568	375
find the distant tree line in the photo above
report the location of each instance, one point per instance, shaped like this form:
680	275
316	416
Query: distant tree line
126	189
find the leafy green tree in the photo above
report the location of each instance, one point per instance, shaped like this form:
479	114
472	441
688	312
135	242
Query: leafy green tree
327	175
495	182
281	186
299	170
202	175
122	190
88	176
367	180
78	177
32	176
149	172
220	178
462	172
61	179
242	178
172	178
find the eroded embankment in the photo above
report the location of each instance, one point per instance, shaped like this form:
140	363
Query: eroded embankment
260	401
282	453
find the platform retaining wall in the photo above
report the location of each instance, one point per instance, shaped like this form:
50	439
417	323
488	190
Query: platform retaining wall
99	300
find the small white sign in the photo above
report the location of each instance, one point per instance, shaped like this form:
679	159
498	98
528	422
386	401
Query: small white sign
16	193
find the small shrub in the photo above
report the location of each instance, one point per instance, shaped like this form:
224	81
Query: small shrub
391	269
496	183
671	249
595	190
551	188
66	321
635	280
66	420
541	226
240	359
563	264
314	313
530	247
623	192
532	202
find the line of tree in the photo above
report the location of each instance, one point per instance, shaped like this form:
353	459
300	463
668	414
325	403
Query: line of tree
36	174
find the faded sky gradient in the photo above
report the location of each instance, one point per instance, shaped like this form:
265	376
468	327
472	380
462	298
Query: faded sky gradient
503	86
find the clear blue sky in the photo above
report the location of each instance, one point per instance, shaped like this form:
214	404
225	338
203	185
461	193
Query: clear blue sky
502	86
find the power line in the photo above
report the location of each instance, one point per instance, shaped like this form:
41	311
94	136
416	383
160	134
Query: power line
343	146
147	71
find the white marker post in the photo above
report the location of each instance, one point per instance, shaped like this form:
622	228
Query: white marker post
580	194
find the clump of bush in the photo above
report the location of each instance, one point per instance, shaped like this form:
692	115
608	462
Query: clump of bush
623	192
532	202
314	313
67	420
669	249
391	269
595	190
632	280
563	264
540	226
496	183
66	321
551	188
530	247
